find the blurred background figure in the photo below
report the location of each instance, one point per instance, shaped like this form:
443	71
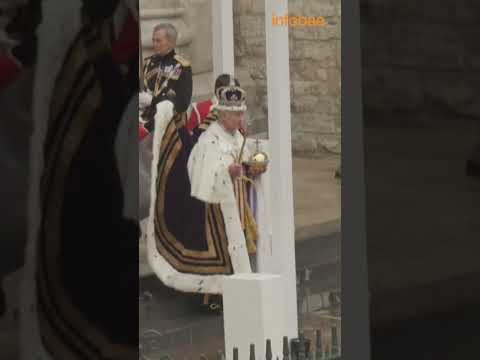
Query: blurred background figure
18	22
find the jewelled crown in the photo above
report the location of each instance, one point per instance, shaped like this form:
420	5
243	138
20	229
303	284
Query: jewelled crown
231	97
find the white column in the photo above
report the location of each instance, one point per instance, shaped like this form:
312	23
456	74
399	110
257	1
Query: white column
279	128
222	32
254	311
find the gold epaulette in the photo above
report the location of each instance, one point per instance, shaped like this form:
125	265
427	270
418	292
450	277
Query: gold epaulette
184	62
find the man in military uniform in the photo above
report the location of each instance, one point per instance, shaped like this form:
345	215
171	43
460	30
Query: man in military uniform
166	75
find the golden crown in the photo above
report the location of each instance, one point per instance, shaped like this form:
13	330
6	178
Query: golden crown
231	97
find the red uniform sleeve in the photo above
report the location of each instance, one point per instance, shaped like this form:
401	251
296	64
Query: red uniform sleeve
204	109
142	132
201	109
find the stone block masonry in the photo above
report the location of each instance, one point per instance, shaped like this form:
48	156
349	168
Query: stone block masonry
315	71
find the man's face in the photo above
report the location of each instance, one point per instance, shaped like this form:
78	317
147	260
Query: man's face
161	45
232	120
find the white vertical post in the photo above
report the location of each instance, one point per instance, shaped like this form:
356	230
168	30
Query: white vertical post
222	33
254	311
279	128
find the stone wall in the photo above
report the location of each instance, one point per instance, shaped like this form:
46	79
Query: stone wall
314	71
434	68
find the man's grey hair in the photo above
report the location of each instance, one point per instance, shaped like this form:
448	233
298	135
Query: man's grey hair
170	31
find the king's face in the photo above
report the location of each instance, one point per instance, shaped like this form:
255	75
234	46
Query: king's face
232	120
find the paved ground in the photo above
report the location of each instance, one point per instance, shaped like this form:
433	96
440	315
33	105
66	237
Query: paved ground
316	195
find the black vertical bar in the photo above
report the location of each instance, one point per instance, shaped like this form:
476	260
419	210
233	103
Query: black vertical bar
318	345
268	351
252	351
355	306
286	350
335	350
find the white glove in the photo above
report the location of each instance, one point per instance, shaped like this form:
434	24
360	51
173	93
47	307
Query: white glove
144	99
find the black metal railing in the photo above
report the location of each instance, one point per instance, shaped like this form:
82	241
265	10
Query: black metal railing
301	351
296	349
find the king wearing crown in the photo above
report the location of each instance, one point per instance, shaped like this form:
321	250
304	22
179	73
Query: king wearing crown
201	226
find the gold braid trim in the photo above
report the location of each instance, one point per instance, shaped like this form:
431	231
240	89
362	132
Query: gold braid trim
249	225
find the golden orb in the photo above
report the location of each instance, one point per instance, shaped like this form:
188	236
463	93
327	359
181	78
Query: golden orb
258	162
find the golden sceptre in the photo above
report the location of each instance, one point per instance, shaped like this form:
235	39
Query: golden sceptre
240	155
